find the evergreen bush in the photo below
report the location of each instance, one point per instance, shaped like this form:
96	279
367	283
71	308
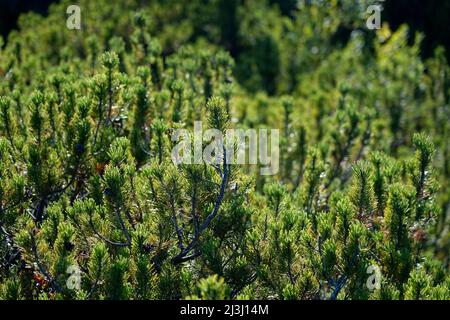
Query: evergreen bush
93	207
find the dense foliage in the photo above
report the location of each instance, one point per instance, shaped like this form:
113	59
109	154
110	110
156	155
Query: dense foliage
88	183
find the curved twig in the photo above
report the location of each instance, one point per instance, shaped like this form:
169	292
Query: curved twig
183	255
124	230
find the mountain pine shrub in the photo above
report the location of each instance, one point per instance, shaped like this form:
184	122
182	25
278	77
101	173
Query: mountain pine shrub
93	207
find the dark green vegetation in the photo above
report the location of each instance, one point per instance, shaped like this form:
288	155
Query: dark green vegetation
87	179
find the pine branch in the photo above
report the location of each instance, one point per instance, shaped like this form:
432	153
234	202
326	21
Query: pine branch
182	256
338	285
123	228
42	269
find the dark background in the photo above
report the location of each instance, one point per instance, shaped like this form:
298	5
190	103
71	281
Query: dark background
429	16
11	9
